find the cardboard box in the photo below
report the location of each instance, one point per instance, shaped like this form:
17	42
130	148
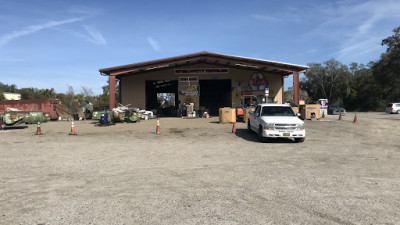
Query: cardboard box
310	112
295	109
227	115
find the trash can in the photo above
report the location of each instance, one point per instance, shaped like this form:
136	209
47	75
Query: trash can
76	116
104	119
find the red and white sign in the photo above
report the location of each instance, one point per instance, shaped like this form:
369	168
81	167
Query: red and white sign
258	82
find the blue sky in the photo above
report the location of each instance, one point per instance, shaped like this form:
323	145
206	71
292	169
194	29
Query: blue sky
47	44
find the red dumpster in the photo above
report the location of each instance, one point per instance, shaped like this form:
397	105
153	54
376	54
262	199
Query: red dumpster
47	105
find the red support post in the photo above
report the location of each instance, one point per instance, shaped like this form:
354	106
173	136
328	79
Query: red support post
296	87
112	91
283	90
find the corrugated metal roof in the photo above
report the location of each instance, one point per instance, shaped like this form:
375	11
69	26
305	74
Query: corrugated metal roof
206	57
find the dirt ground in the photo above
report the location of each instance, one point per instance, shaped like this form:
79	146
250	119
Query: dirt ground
197	172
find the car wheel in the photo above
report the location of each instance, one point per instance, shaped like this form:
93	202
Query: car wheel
398	111
249	126
299	140
260	137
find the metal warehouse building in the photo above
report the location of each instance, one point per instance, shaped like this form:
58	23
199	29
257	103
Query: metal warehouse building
208	80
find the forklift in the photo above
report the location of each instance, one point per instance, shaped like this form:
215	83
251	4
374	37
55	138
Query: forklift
246	101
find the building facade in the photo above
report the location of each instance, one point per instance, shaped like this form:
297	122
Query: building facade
207	80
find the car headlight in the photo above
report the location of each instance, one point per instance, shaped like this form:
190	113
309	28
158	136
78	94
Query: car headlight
300	127
269	126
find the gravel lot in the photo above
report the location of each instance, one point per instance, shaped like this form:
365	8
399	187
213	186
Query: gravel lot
197	172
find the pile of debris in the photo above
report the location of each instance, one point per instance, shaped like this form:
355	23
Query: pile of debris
13	116
123	113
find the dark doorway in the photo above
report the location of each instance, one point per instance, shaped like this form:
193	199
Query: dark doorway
215	94
158	92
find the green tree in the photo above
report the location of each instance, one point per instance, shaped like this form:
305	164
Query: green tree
30	93
47	93
87	94
289	96
329	80
79	97
362	88
103	99
386	71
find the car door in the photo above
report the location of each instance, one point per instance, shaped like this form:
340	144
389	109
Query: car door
254	118
251	117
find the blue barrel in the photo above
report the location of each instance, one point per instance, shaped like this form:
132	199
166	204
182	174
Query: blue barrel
104	119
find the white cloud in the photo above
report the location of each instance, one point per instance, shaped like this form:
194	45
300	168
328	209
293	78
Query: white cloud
359	49
95	36
7	59
34	28
92	35
154	44
356	28
266	18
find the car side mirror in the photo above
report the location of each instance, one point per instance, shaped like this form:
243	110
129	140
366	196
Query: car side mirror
298	114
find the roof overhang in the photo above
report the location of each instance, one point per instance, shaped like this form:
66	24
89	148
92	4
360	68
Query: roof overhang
280	68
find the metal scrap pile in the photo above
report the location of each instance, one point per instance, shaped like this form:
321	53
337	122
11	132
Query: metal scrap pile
126	114
15	116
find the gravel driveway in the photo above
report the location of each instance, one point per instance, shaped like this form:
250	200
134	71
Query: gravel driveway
197	172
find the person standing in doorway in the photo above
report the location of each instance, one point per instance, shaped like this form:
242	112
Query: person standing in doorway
183	110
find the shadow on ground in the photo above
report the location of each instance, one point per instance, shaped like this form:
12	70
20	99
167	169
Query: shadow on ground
252	136
14	127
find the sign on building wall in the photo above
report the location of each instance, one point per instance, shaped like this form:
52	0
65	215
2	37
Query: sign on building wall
189	79
258	82
203	71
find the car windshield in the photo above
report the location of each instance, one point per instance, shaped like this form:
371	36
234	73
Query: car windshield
277	111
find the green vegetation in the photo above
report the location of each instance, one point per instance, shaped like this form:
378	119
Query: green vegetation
357	86
68	100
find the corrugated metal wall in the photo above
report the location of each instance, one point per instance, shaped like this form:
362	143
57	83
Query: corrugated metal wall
134	93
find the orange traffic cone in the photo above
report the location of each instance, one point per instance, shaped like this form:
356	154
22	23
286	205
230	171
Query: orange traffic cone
340	116
73	129
158	127
355	119
234	127
38	131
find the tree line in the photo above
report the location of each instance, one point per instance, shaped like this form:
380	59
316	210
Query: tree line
357	87
69	100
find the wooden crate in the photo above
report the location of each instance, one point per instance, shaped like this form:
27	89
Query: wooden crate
310	112
246	113
227	115
295	109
